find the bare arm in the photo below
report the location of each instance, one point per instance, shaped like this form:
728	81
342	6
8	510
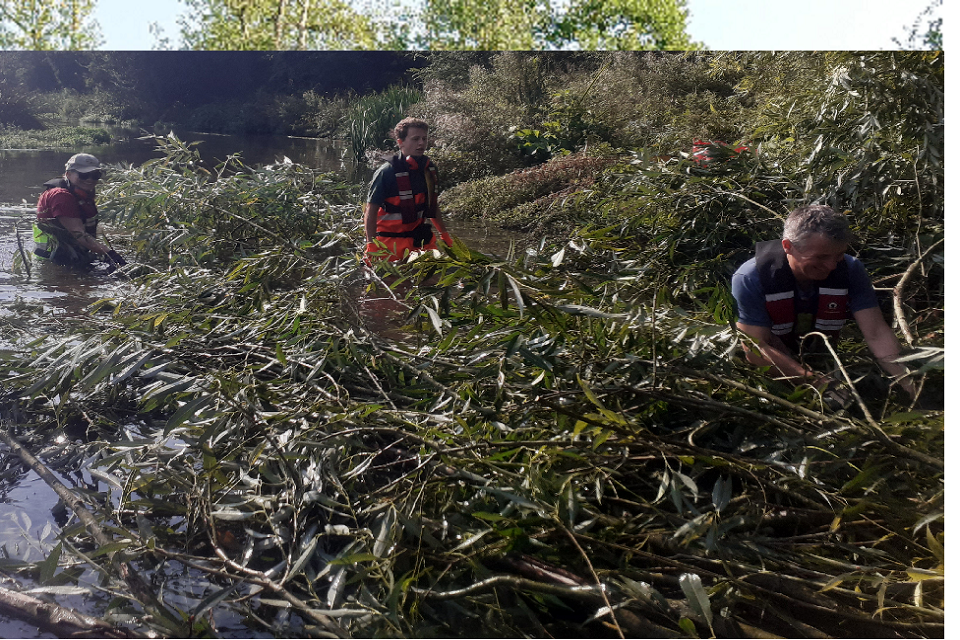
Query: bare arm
776	354
84	239
883	344
370	221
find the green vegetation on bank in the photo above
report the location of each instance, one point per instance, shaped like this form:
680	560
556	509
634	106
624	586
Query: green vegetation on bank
560	441
54	137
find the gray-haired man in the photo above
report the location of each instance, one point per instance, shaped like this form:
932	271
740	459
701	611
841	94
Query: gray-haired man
806	282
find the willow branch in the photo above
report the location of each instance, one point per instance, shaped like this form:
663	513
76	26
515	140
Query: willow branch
138	586
514	582
898	293
57	620
886	440
596	578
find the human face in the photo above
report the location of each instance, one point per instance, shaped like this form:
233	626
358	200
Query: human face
86	180
815	257
415	144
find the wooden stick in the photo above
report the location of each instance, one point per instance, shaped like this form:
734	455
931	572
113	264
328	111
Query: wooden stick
23	254
60	621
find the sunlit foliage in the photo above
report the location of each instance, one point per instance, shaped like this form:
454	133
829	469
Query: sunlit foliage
48	25
436	25
276	24
528	24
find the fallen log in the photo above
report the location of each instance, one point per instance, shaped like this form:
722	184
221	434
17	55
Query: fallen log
60	621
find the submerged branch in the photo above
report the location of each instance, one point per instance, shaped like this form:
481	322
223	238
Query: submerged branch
138	586
60	621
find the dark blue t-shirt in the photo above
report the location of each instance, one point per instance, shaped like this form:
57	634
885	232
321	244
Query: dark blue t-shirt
752	306
383	185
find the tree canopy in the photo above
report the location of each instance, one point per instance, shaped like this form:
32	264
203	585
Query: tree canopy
239	25
276	24
46	25
581	24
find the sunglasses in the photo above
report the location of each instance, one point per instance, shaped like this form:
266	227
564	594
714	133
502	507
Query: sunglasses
90	175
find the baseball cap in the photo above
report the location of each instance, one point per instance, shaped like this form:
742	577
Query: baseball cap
82	162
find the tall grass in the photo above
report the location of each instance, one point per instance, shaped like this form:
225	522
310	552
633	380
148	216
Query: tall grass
373	117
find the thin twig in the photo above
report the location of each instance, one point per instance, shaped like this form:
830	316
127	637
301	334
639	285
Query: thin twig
23	254
603	592
853	388
743	197
517	583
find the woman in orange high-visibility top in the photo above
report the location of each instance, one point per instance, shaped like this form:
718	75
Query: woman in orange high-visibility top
402	196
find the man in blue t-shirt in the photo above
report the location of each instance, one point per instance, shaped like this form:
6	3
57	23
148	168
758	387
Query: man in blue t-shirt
806	282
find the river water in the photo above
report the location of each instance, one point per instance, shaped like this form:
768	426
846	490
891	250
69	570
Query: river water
28	527
23	172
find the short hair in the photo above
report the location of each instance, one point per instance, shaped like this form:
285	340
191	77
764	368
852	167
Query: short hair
400	131
813	219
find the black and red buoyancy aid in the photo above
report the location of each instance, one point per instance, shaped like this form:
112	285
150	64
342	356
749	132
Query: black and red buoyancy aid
416	197
779	290
88	209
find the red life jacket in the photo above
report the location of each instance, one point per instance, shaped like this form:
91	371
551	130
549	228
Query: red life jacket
779	290
704	153
416	198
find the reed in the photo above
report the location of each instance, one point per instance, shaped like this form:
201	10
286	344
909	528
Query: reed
372	118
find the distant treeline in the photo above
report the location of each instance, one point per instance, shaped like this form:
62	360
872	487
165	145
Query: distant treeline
143	87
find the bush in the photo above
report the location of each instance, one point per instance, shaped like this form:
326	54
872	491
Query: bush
18	108
313	114
95	107
521	199
184	213
371	119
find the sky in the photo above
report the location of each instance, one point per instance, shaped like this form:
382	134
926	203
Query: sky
719	24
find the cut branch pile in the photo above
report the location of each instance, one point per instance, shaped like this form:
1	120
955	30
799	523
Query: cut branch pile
550	444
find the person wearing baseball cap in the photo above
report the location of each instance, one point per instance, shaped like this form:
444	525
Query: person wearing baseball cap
66	228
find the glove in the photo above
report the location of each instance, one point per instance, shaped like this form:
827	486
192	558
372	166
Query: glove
372	248
117	258
837	397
